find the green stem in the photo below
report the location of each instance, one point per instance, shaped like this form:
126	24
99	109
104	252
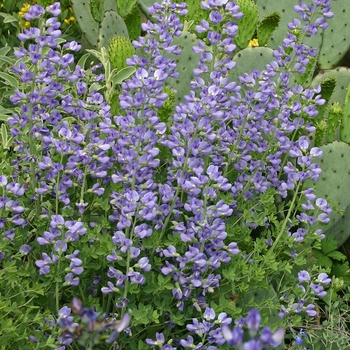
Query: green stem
286	219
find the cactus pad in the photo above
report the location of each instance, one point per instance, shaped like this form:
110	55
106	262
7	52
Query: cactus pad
119	49
333	183
186	61
247	24
267	26
250	59
342	77
111	25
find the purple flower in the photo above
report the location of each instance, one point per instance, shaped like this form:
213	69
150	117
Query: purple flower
324	279
318	290
54	9
310	310
303	276
253	320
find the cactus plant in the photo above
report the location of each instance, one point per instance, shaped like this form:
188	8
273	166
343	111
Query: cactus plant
124	8
335	115
247	24
186	61
335	164
98	26
341	229
334	43
119	49
342	77
283	8
345	124
249	59
111	25
97	9
266	27
336	39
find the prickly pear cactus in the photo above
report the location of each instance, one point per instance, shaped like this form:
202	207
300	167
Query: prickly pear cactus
124	7
341	229
336	38
247	24
250	59
98	25
119	49
87	23
335	116
266	27
345	123
283	8
111	25
333	185
97	9
144	5
342	77
186	61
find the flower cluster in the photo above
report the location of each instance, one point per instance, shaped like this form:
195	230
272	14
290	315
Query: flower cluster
163	196
306	286
252	322
92	325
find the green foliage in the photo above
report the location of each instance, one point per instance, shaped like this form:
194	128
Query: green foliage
133	23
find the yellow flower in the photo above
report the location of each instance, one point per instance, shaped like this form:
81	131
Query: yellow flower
69	20
253	43
24	9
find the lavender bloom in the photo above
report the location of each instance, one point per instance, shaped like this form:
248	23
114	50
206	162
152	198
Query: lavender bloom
323	278
303	276
318	290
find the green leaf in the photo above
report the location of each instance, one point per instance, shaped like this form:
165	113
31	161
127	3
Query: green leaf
3	117
10	79
8	60
323	260
8	18
328	245
337	256
82	60
4	135
4	50
95	86
95	53
122	75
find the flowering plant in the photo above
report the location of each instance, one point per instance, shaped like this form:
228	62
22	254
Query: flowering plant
169	227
